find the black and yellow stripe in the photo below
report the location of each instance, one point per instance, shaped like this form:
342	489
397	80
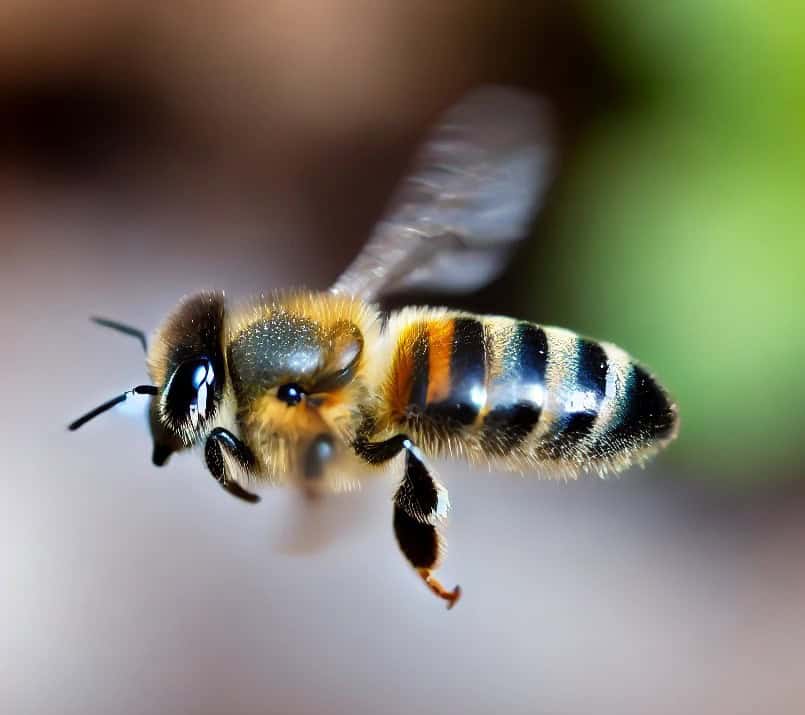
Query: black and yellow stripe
646	416
516	388
582	403
521	391
448	372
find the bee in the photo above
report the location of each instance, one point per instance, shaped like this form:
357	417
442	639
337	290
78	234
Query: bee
323	389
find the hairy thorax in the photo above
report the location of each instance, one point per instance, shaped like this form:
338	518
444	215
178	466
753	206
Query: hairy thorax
319	345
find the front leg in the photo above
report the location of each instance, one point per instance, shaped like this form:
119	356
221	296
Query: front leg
420	502
218	440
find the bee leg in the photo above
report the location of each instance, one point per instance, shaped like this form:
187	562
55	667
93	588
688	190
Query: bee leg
422	545
419	495
218	440
419	504
379	452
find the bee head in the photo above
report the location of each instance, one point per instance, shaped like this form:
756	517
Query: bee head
186	362
187	367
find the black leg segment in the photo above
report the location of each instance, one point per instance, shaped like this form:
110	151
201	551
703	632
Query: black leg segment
419	542
423	546
379	452
419	503
419	494
218	440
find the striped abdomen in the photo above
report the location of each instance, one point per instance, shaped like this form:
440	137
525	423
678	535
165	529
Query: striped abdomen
520	392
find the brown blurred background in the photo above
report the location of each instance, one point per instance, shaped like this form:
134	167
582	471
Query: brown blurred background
149	150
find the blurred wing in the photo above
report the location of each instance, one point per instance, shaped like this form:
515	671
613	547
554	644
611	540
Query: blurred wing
306	524
469	199
301	529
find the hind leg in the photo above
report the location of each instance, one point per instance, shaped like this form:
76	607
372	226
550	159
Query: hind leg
423	546
420	503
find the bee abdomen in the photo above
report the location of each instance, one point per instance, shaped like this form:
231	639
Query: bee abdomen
646	417
517	364
580	387
530	393
447	373
469	376
596	407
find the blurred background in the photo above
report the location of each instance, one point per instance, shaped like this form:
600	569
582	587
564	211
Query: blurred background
149	149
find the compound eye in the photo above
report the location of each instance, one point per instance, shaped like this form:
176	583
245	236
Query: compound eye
191	391
291	394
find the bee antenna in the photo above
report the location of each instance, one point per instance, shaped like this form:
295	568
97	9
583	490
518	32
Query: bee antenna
109	404
122	328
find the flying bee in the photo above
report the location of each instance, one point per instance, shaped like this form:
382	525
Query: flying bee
323	389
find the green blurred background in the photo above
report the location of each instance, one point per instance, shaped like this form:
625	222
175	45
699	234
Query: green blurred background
679	220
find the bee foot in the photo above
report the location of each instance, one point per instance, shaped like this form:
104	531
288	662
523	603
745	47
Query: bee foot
436	587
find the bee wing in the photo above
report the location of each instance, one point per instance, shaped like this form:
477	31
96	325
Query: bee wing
473	190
